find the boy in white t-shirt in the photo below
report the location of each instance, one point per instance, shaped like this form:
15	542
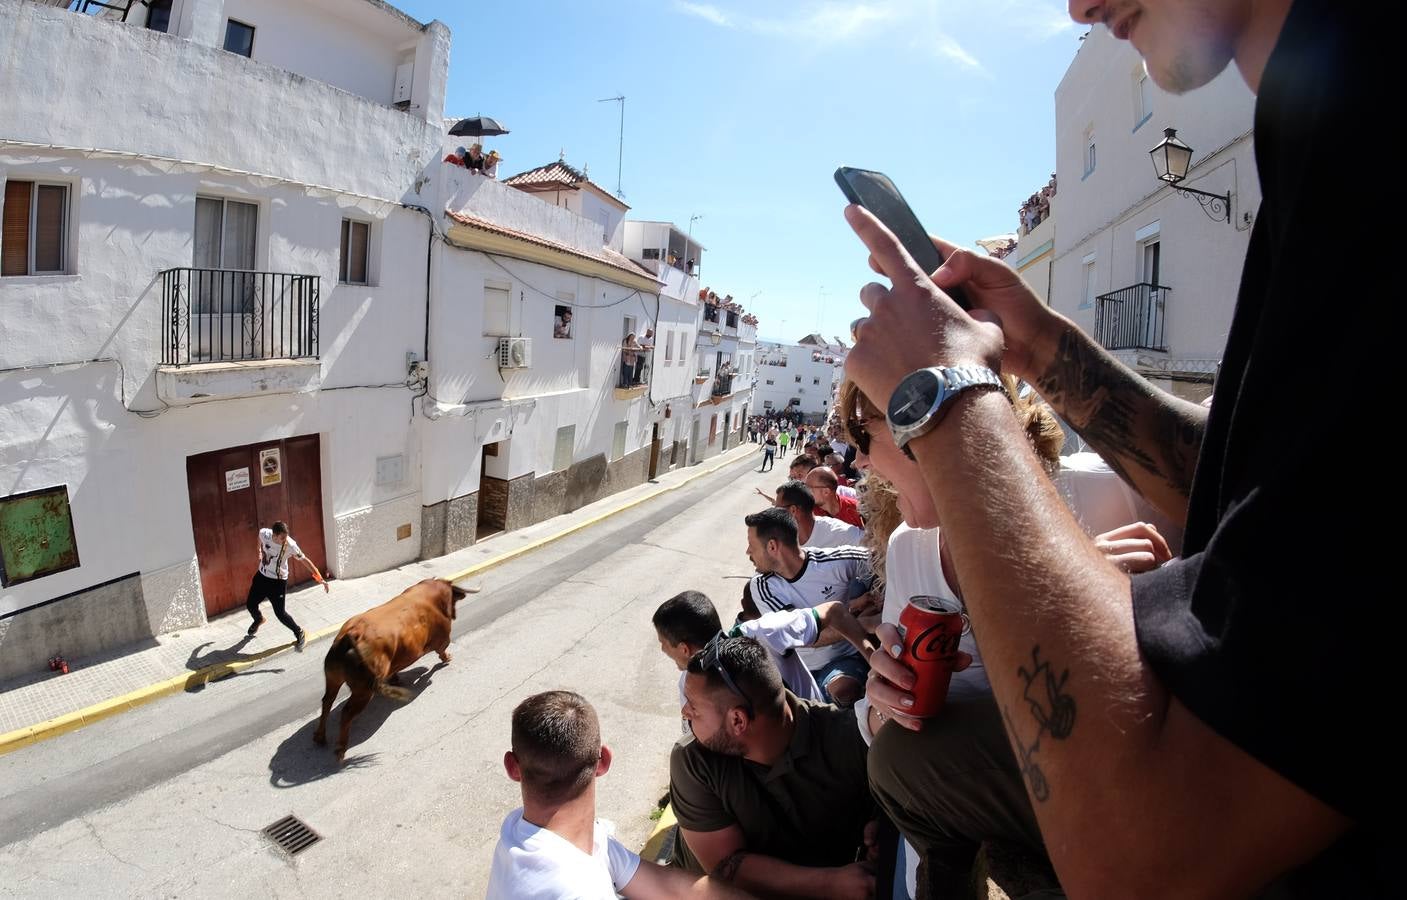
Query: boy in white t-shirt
276	548
553	846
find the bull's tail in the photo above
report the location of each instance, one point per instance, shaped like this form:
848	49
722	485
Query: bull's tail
344	654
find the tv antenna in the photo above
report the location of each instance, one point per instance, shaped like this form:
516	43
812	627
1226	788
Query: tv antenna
620	150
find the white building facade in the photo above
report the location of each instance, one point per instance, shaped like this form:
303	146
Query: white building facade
240	285
798	378
1150	273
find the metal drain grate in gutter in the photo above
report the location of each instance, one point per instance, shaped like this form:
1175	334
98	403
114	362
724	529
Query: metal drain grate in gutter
292	835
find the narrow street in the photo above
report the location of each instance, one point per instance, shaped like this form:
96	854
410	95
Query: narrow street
168	800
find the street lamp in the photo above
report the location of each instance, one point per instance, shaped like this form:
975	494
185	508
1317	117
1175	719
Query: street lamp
1171	160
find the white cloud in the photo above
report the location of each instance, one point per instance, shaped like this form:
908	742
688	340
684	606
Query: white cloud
948	48
704	11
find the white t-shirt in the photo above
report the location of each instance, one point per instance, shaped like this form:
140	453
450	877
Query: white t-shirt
843	490
273	556
830	532
683	701
825	575
532	863
784	634
912	568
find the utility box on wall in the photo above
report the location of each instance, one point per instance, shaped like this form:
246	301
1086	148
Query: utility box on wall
36	535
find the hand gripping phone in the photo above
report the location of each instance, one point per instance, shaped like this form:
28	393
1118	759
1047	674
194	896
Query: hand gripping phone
875	192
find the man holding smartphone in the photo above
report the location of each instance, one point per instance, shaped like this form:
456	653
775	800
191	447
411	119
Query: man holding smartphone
1177	732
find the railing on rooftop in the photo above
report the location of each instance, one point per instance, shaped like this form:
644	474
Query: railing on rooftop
228	315
1131	318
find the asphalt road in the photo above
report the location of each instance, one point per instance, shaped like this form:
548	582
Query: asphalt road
168	800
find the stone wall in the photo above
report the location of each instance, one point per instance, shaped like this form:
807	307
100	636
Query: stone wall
448	526
587	481
83	623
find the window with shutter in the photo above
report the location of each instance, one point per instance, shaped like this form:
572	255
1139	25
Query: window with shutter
34	229
14	230
356	240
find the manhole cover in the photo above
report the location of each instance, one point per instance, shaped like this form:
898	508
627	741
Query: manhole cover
292	835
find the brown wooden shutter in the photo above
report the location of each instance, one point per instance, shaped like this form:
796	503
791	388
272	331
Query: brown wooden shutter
49	209
357	247
342	266
14	229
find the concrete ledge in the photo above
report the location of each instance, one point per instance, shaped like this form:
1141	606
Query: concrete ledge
631	392
185	385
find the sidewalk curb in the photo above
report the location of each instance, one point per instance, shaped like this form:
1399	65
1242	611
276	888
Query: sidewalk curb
655	844
33	734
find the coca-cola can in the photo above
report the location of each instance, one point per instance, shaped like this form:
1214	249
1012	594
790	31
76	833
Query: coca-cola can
930	628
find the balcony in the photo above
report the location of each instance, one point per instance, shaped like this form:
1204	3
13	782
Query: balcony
731	322
633	376
235	315
1131	318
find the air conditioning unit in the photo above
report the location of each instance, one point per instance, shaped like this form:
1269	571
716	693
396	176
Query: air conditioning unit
515	353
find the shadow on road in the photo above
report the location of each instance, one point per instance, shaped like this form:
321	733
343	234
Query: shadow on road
218	665
299	761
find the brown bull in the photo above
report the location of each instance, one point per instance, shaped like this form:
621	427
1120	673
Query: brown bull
373	646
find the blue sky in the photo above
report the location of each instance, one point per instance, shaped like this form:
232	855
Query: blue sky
741	111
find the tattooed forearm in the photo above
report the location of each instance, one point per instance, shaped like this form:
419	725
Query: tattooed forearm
1053	711
1148	438
728	869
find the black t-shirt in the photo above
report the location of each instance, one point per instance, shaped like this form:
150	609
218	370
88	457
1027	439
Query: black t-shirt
1272	628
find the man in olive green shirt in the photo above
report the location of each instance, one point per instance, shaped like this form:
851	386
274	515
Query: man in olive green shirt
772	793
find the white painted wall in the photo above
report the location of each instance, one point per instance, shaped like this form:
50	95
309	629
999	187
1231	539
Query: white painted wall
68	425
163	96
1100	213
351	44
814	389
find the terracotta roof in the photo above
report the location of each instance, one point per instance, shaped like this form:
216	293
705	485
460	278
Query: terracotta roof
558	174
552	173
605	255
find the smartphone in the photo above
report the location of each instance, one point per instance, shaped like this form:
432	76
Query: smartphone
875	192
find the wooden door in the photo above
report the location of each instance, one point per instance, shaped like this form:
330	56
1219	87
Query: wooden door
230	502
655	450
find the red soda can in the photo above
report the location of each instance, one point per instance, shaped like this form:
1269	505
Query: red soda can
931	628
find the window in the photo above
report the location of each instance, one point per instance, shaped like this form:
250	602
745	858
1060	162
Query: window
226	235
34	233
769	381
683	343
627	328
562	453
159	18
669	345
815	381
798	379
650	253
239	37
496	310
1087	283
1143	98
1089	151
562	322
618	440
356	241
767	404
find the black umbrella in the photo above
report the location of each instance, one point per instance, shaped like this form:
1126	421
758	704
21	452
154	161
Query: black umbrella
478	126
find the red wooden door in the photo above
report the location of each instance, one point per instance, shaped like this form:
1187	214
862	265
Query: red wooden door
230	503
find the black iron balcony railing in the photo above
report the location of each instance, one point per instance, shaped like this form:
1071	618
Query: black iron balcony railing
723	384
634	367
227	315
1131	318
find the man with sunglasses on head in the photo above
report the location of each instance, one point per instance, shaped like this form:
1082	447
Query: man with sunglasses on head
771	794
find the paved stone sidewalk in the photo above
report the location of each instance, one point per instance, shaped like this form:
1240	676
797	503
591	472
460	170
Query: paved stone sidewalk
31	700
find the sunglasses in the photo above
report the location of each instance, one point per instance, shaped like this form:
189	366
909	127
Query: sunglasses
859	436
710	659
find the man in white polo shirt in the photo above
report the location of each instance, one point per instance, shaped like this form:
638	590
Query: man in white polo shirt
792	577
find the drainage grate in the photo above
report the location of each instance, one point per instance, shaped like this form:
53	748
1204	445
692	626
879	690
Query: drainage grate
292	835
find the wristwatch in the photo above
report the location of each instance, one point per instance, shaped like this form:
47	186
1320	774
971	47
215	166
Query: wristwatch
924	397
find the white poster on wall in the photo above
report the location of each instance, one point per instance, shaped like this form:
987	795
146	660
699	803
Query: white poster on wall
237	479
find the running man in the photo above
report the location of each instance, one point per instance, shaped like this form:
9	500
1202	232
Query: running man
276	547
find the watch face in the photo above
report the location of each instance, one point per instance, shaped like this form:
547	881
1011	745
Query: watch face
914	398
